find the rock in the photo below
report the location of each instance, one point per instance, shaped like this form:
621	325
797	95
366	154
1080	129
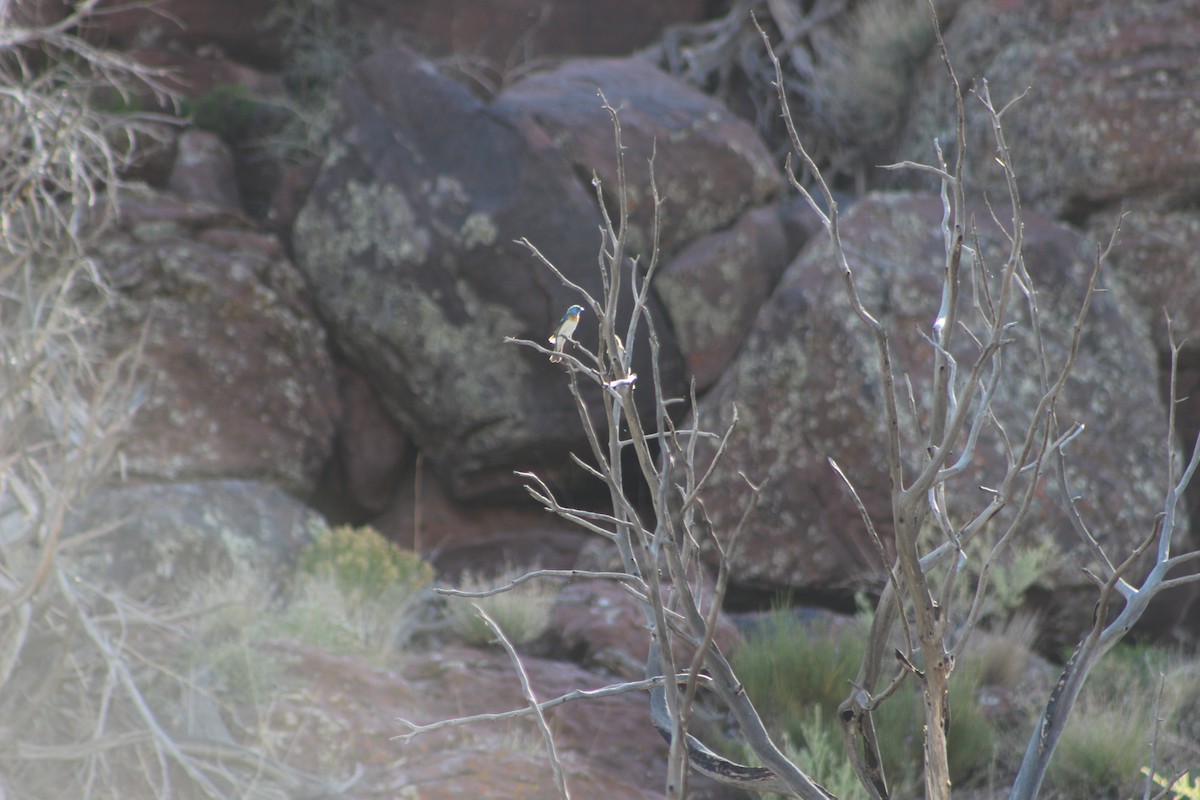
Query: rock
709	165
407	241
247	30
1155	258
207	77
165	538
714	287
483	538
204	172
510	33
608	747
598	622
370	452
806	385
239	381
1110	115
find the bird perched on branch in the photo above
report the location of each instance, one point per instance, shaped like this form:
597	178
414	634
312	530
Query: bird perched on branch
562	333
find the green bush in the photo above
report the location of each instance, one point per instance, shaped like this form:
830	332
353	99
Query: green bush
356	592
797	674
364	565
1106	745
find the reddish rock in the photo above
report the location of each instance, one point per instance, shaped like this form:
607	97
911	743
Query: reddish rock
479	537
247	30
714	287
608	747
807	388
238	376
291	194
1110	113
598	622
371	452
710	165
198	75
1157	258
407	239
510	33
204	172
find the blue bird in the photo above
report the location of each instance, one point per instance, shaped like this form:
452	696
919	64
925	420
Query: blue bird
566	326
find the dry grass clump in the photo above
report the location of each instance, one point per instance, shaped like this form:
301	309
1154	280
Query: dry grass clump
522	612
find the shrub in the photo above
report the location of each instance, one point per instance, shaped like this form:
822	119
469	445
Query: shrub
356	592
364	565
1101	752
796	674
522	612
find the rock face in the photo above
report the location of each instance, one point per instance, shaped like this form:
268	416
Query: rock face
807	388
714	287
203	172
1110	114
512	32
710	165
595	621
238	375
407	240
1110	124
477	537
249	31
167	537
370	453
607	746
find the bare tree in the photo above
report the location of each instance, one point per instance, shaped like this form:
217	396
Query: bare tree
659	549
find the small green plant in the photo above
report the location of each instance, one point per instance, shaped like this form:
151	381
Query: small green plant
822	754
355	591
1101	751
802	673
364	565
226	110
1003	653
233	612
523	612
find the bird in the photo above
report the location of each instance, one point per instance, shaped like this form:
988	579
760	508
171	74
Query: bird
566	326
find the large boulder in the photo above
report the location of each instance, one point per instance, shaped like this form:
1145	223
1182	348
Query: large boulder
370	452
714	287
504	34
709	165
482	538
248	30
163	541
238	378
1110	113
407	239
607	745
806	385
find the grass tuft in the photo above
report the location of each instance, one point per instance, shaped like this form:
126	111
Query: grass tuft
523	612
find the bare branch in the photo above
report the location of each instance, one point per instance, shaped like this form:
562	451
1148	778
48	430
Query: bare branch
545	705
